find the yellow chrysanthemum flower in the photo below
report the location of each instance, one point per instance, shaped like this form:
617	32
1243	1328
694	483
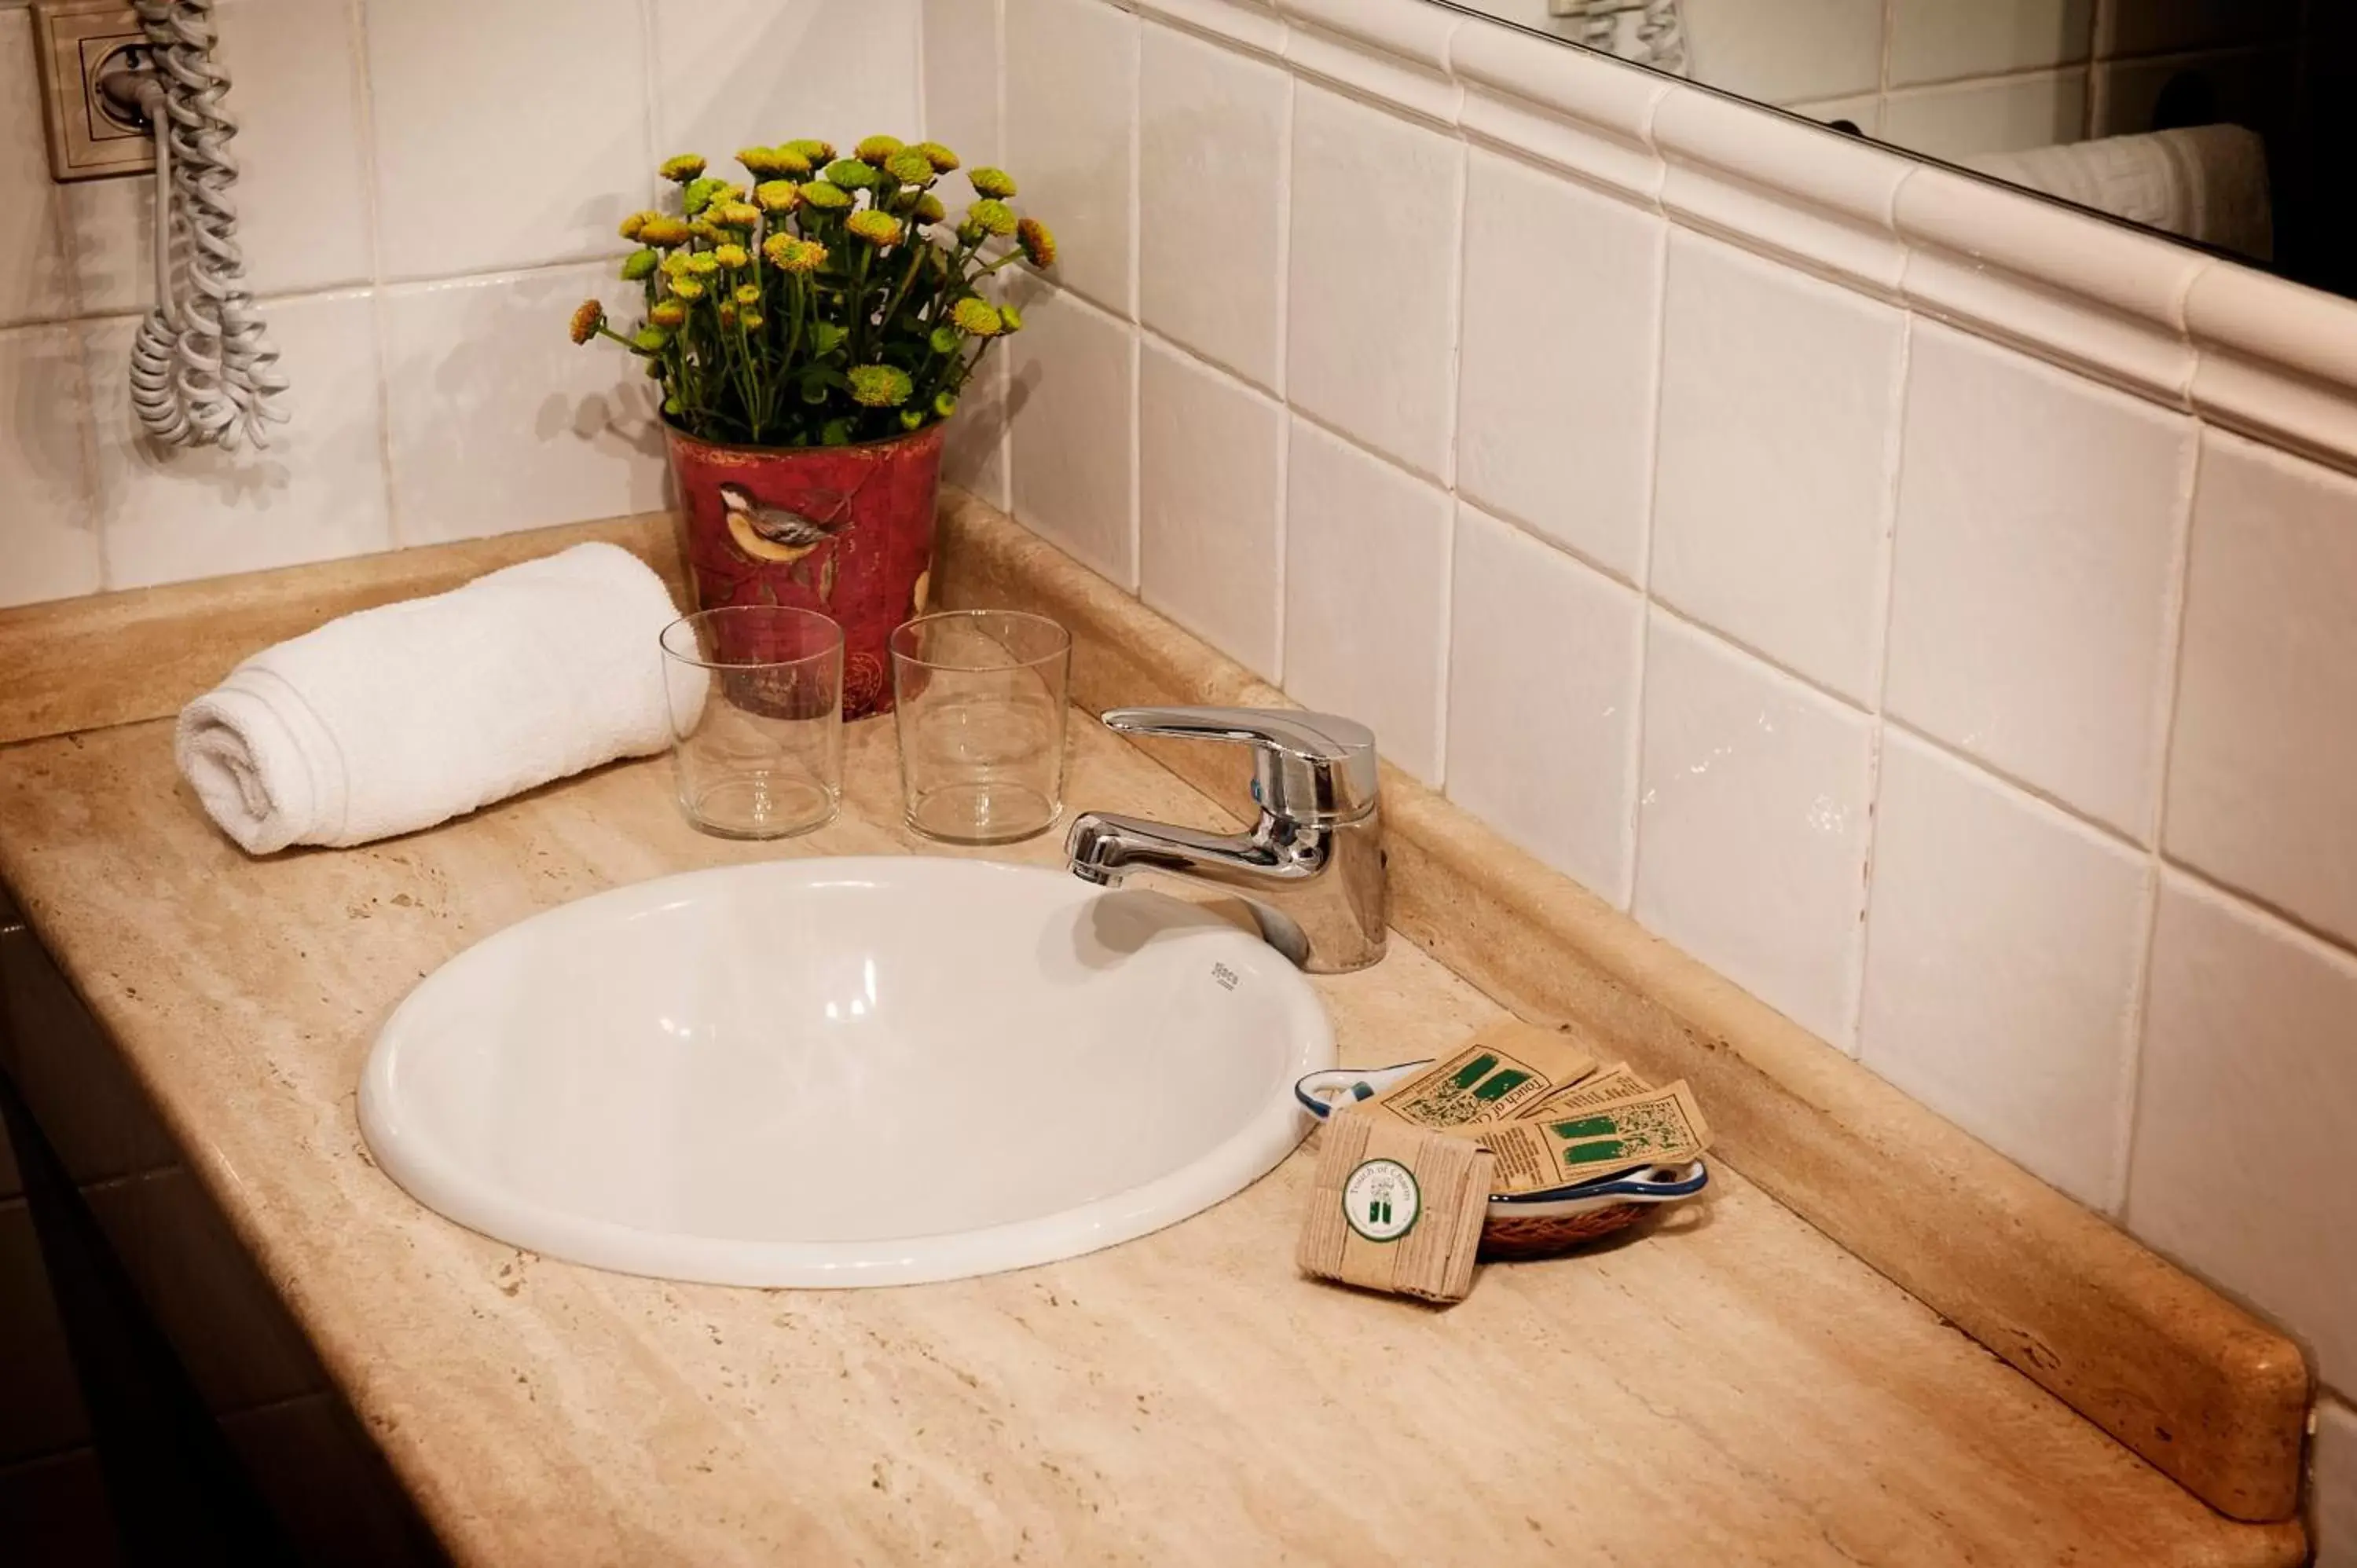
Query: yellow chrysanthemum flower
976	317
879	228
699	194
728	312
814	151
910	167
877	149
635	224
754	321
1039	242
879	386
778	195
941	158
679	170
665	233
704	263
740	215
686	288
589	320
995	182
824	197
851	174
749	294
788	255
992	217
668	313
735	258
773	163
928	209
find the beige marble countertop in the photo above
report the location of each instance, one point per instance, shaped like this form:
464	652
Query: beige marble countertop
1730	1388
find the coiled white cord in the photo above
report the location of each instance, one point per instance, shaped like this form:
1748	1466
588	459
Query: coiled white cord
203	372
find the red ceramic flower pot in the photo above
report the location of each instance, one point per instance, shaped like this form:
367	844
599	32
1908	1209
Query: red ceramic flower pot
846	531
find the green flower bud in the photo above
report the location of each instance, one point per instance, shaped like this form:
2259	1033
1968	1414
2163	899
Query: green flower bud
639	266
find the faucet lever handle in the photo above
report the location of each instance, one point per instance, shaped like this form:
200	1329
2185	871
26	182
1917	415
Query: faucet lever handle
1307	766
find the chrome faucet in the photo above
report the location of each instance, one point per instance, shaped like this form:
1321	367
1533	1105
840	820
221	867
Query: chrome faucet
1311	869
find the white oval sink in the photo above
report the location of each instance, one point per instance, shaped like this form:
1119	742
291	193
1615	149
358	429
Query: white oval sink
844	1072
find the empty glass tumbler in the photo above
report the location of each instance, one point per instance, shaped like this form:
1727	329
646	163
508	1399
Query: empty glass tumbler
755	694
979	698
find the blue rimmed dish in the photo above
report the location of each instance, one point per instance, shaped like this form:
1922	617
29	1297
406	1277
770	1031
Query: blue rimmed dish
1526	1224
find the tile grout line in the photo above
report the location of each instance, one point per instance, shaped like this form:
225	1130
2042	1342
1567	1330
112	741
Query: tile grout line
2163	728
1452	415
364	111
1136	312
1634	766
1281	371
1888	591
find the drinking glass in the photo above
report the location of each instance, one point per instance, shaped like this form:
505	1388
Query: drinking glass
979	696
755	694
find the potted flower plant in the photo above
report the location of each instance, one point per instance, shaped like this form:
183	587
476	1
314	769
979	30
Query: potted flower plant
812	329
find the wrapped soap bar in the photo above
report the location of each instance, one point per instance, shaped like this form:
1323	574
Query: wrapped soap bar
1590	1142
1495	1076
1395	1208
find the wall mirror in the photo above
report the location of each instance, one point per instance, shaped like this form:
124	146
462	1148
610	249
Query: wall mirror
2230	125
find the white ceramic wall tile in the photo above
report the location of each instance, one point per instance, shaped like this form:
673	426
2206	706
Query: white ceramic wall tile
2039	519
1394	52
32	261
2068	285
1210	494
463	90
1587	115
316	494
1779	428
497	422
2335	1485
1782	188
974	453
1542	701
2001	946
1071	112
1071	449
2263	762
1555	396
960	40
1366	593
2277	357
1752	820
49	533
1254	25
1799	49
1213	124
1371	304
735	73
2005	114
1938	40
302	189
2248	1090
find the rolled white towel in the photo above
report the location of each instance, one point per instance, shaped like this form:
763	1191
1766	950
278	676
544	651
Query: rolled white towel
403	716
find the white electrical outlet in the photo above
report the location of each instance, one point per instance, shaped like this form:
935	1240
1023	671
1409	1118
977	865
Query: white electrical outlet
77	40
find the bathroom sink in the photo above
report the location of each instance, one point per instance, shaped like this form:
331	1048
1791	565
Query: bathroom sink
844	1072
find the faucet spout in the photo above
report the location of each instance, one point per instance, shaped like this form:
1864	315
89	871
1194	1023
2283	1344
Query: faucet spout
1311	869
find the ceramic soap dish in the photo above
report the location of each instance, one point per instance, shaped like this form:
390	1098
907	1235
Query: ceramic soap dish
1530	1224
